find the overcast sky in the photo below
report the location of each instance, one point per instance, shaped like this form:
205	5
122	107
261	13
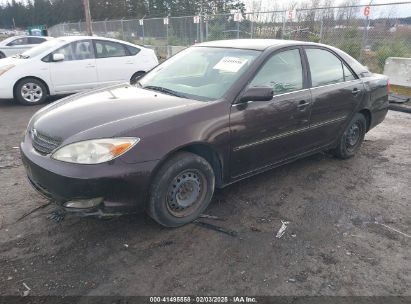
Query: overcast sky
400	10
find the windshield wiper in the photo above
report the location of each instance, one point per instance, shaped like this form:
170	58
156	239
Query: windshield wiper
165	91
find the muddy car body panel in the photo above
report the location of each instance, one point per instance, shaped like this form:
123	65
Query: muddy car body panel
237	138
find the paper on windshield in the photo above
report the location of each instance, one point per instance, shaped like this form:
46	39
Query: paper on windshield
230	64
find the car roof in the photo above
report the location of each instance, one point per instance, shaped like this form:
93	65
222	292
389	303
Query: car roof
30	36
263	44
253	44
75	38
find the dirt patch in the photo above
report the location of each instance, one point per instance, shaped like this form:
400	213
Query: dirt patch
332	245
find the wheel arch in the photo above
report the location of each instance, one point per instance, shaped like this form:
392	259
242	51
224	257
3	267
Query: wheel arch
205	150
368	117
34	77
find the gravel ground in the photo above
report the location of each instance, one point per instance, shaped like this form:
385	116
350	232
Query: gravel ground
348	233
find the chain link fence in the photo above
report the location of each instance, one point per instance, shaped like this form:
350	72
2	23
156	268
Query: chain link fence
370	34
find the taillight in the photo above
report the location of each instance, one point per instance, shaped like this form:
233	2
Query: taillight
389	86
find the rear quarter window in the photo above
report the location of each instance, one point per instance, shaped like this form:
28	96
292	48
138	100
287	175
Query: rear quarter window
132	50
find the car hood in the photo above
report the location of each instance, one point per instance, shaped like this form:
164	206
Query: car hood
12	60
106	112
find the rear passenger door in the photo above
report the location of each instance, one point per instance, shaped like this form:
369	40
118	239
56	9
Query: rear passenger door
114	62
336	92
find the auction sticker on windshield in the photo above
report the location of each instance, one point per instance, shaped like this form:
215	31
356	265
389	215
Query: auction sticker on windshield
230	64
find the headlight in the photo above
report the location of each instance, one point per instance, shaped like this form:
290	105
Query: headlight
95	151
5	68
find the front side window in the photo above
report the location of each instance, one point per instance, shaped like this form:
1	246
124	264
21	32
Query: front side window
202	73
107	49
325	67
18	41
36	40
79	50
133	50
283	72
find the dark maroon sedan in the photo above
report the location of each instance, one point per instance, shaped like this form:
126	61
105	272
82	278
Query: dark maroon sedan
213	114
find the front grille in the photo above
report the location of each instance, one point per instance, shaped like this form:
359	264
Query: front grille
42	143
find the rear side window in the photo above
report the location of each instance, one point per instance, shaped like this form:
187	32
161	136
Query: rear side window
36	40
283	72
325	67
348	75
107	49
132	50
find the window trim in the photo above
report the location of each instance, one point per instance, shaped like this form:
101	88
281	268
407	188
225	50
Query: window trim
336	55
269	56
128	54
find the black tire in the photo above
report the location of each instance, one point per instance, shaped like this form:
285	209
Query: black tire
30	92
136	76
2	55
352	138
181	190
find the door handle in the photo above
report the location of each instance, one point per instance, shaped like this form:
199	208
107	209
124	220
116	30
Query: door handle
303	104
355	91
90	66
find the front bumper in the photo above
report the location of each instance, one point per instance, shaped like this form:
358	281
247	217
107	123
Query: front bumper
122	186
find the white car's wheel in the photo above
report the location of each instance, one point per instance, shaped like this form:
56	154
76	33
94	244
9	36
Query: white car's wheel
2	55
30	91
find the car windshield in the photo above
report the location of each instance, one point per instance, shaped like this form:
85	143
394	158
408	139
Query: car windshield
203	73
7	40
40	48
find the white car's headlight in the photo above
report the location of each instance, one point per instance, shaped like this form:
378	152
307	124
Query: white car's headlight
95	151
5	68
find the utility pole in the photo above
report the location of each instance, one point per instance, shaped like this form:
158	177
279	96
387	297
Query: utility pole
87	14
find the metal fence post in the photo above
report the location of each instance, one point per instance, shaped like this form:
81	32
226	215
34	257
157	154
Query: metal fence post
122	27
252	25
283	30
142	29
321	30
201	28
206	30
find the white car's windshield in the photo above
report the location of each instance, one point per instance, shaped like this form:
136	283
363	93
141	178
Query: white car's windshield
205	73
7	41
39	49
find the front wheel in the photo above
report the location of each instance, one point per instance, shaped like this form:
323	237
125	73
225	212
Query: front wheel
181	190
30	91
352	138
2	55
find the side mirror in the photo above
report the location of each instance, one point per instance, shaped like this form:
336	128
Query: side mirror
257	94
58	57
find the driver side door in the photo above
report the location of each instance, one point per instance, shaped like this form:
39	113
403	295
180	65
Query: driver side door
78	69
266	132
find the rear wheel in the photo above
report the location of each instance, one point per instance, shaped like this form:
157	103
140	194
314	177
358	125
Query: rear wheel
181	190
352	138
30	91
